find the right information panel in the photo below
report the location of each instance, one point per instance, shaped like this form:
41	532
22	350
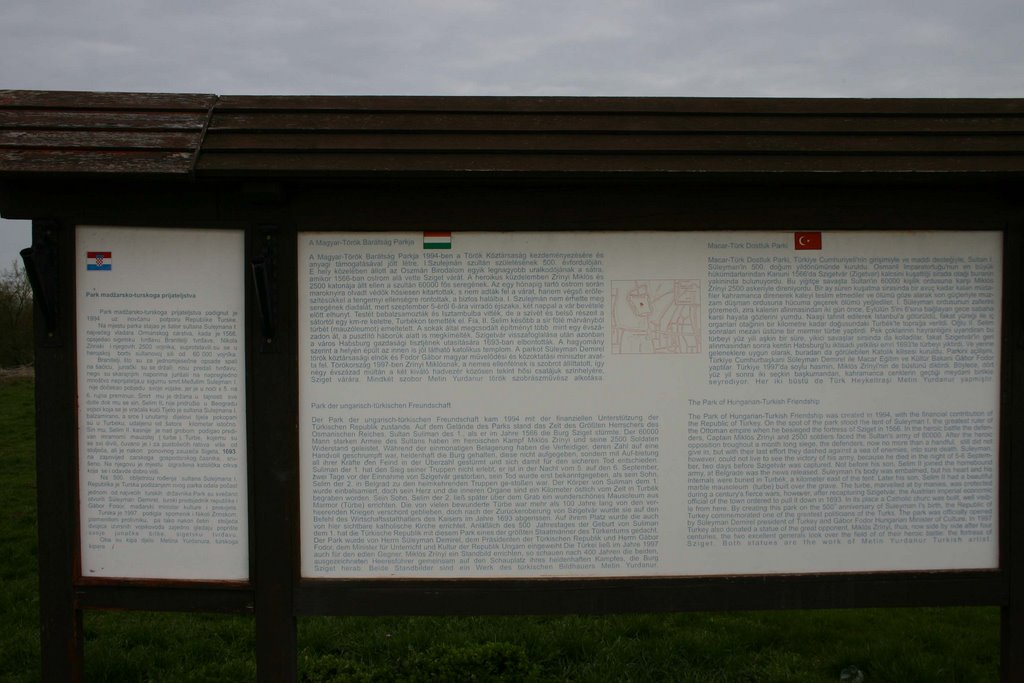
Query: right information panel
648	403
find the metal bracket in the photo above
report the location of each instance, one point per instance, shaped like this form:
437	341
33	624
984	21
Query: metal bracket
41	268
264	281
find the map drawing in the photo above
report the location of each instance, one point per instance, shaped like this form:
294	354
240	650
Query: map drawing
655	316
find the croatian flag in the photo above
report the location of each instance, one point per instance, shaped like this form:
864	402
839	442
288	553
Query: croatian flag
437	240
97	260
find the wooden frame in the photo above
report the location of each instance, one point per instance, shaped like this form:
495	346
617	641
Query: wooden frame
273	187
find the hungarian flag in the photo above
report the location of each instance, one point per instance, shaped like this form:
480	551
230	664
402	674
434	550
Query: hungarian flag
97	260
807	240
437	240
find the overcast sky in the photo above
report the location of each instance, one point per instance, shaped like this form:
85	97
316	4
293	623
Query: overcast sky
716	48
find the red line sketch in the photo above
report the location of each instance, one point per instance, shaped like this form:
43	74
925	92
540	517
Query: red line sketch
655	316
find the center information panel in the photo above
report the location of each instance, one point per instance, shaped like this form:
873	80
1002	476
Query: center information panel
646	403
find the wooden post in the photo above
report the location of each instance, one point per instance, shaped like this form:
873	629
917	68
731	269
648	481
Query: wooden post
1011	472
60	622
273	401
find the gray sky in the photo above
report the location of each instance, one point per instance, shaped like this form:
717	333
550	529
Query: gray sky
714	48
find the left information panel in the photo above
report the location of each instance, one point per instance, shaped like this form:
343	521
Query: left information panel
161	403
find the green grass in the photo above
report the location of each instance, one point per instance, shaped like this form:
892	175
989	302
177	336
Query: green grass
887	645
19	588
901	645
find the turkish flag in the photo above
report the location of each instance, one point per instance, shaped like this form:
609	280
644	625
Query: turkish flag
807	240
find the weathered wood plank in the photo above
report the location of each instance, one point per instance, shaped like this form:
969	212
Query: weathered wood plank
320	121
15	161
623	142
608	596
721	106
36	99
340	162
456	204
125	596
98	140
58	119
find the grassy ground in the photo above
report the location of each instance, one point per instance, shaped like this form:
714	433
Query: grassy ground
903	646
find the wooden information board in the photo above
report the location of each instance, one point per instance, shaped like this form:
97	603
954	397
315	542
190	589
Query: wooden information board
478	356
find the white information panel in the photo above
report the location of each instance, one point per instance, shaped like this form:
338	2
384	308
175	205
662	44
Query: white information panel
631	404
161	403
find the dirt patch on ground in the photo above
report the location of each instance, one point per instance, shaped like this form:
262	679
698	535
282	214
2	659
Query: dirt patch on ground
10	374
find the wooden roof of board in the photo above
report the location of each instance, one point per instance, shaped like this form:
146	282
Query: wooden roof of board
200	136
100	133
